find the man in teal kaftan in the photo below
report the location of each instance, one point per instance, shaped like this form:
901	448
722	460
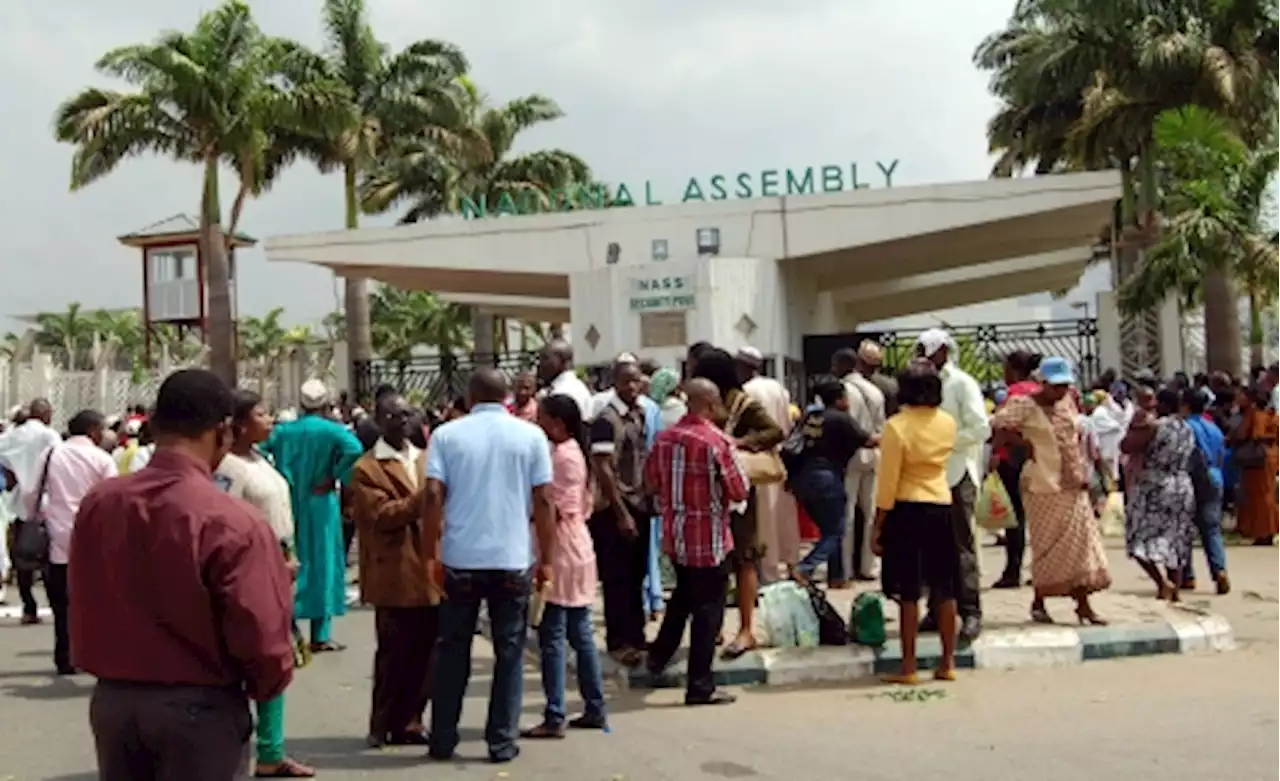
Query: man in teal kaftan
315	453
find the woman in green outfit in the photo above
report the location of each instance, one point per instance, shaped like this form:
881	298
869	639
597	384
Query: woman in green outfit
248	475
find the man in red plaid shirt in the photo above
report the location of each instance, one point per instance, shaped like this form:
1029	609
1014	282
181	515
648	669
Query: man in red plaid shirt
695	476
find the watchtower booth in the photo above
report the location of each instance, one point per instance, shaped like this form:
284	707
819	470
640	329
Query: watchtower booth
175	280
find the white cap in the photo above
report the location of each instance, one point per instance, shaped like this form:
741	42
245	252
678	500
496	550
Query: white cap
933	339
313	395
750	355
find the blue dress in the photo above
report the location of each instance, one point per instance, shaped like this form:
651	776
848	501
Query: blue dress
310	452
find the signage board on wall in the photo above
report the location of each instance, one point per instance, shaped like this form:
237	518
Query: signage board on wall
662	293
764	183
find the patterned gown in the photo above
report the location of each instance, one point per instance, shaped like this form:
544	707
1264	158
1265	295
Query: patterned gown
1067	555
1160	514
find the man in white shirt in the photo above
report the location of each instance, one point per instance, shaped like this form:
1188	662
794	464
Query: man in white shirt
866	405
555	369
962	399
22	450
73	469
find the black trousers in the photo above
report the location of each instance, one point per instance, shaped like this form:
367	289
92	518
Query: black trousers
1015	538
155	732
622	564
26	590
964	495
698	599
403	667
55	586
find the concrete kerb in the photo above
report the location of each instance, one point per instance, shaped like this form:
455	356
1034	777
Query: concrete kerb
1188	631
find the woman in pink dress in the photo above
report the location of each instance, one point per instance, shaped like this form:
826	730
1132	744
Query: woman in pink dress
572	590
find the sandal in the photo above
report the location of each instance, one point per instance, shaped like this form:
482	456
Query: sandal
901	679
285	768
1040	616
948	674
326	647
735	650
543	731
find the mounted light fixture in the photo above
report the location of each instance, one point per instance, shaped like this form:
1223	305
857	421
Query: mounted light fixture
708	242
658	249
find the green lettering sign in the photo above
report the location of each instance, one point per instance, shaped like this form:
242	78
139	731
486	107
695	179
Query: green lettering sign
766	183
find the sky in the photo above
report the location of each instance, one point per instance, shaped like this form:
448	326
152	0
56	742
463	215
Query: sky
658	90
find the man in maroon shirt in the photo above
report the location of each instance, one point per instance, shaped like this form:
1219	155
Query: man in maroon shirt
180	602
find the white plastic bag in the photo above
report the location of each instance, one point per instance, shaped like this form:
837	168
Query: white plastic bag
777	621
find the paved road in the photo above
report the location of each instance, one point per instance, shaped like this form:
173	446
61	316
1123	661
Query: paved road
1172	718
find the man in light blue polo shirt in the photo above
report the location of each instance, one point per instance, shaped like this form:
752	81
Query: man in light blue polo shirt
487	473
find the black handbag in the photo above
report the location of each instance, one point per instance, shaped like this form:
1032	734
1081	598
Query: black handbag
30	550
1250	454
832	629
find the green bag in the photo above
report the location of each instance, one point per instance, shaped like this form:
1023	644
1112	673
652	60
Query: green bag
866	620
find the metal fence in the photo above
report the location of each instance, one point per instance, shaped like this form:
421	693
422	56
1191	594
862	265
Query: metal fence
983	347
437	378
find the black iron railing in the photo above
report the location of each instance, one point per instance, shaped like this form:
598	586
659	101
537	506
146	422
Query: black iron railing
434	379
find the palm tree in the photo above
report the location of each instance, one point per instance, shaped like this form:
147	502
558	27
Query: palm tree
435	180
1084	81
1218	207
404	320
220	94
67	333
386	96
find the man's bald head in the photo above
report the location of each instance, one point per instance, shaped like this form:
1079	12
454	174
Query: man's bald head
487	386
41	410
703	397
555	358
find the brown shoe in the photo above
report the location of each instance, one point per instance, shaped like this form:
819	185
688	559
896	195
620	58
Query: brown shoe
29	620
1224	582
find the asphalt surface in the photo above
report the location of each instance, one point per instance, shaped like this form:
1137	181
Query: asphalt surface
1173	718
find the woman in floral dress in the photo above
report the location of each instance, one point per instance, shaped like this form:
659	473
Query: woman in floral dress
1160	512
1067	557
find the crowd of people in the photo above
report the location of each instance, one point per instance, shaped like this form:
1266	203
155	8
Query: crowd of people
180	546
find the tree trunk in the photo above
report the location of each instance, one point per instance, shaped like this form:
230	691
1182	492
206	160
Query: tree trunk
355	289
221	336
1256	356
482	335
1221	323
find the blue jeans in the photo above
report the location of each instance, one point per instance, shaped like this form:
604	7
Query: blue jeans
575	623
653	577
1209	523
506	597
822	493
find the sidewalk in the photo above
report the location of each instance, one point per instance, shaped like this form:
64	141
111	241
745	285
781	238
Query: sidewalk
1139	625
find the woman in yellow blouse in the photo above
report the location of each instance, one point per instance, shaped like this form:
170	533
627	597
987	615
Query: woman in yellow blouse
913	534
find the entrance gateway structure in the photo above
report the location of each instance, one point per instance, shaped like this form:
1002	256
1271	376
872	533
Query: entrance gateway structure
766	271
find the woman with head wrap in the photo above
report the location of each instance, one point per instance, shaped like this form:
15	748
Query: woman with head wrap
662	389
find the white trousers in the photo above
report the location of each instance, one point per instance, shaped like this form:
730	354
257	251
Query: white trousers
860	484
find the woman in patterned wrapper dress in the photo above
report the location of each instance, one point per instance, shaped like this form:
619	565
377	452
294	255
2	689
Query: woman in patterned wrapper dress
1160	511
1067	556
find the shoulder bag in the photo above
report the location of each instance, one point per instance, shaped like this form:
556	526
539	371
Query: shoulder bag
1251	453
31	536
762	468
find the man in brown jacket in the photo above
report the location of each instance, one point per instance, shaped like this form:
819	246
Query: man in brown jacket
386	486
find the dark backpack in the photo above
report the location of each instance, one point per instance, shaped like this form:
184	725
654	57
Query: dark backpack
831	627
1198	468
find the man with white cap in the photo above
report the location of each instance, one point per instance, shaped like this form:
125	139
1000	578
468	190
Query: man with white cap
962	399
779	527
315	453
866	406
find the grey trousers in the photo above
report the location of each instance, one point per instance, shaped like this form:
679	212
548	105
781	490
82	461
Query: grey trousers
153	732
